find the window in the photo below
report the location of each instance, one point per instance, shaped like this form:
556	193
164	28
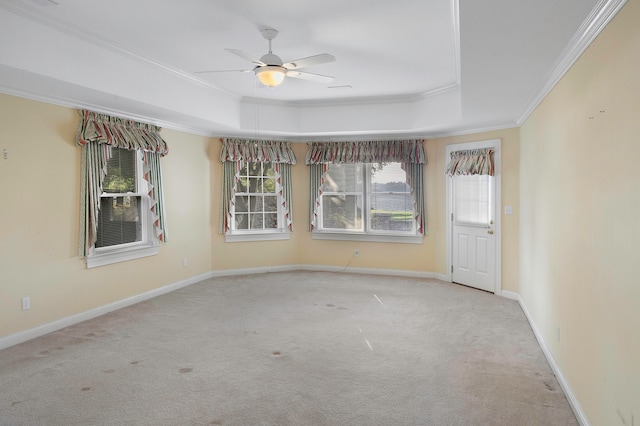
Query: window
367	198
256	196
119	220
367	190
124	222
256	199
472	199
122	214
258	208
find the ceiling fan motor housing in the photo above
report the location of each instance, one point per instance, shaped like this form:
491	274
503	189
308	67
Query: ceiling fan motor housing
271	59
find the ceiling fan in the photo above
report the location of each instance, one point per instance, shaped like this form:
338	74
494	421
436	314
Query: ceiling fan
270	69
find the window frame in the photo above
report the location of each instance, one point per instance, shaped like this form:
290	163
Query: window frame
367	233
148	244
281	232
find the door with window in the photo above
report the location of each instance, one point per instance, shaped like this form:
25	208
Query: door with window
473	225
473	231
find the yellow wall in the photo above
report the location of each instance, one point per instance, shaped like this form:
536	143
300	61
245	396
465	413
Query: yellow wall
39	258
580	228
39	220
570	249
430	256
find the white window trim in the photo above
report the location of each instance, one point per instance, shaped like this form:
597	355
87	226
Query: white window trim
369	237
134	251
263	235
147	247
272	234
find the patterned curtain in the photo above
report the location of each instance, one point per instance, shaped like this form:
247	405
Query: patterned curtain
284	187
415	179
402	151
254	151
120	133
410	153
97	134
230	170
153	176
316	180
471	162
235	152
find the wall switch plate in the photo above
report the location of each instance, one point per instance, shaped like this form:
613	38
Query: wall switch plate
185	262
356	253
508	210
26	303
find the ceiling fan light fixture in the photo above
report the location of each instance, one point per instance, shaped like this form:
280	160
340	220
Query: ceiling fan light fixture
271	75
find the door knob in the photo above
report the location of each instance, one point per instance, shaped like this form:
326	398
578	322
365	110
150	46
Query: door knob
490	232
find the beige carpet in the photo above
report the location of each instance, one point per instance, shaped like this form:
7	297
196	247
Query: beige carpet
296	348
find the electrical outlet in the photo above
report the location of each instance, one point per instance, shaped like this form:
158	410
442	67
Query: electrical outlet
356	253
26	303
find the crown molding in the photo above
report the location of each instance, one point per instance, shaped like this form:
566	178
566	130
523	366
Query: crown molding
369	100
600	16
102	43
33	15
75	104
482	128
249	133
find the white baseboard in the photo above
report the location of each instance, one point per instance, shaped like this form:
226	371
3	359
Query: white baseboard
571	397
327	268
368	271
41	330
17	338
250	271
511	295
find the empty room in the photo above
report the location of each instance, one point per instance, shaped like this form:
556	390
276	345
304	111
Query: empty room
319	213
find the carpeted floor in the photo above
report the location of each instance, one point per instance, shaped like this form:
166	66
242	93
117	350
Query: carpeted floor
294	348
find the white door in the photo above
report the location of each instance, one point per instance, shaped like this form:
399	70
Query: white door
473	231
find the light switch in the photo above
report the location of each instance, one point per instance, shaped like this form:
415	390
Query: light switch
508	210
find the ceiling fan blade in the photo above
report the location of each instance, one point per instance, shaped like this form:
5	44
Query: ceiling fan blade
322	58
246	56
318	78
210	71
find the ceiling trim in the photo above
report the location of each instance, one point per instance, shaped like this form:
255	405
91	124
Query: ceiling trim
455	22
354	101
473	130
77	105
105	44
600	16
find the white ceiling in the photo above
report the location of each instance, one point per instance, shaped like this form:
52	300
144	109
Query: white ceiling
403	68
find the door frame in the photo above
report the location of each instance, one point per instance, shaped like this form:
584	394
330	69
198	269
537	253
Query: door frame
496	145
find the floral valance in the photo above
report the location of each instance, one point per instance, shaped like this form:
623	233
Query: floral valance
471	162
401	151
257	151
120	133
